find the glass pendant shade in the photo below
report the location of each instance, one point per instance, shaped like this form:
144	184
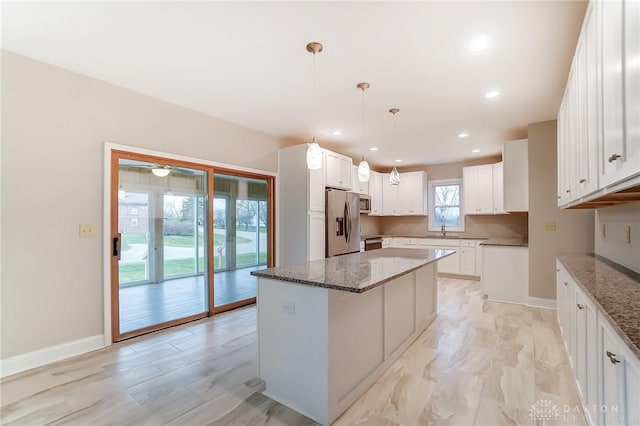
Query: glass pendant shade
314	155
394	177
364	171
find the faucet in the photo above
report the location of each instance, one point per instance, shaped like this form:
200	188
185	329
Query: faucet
443	228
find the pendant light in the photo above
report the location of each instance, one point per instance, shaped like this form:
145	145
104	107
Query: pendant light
314	153
363	168
161	171
394	177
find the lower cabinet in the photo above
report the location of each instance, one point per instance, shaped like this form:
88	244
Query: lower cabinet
505	273
607	373
465	260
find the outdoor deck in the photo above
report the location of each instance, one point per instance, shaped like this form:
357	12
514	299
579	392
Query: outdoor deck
148	304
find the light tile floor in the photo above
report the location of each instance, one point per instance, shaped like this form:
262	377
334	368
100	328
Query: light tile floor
479	362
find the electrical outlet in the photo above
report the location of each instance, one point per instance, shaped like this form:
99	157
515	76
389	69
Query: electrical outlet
289	308
550	226
628	235
87	231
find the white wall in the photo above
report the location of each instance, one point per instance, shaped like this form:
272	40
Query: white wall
54	125
613	244
574	228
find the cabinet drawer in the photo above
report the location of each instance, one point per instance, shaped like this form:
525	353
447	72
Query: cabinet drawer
441	242
468	243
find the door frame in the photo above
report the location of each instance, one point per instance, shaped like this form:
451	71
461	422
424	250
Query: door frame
110	150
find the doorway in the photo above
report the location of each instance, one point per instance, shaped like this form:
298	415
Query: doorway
185	237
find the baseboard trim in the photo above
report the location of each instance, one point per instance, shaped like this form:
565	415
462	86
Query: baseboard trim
539	302
40	357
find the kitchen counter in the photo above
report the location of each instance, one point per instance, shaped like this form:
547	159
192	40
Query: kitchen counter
506	242
614	289
439	236
356	272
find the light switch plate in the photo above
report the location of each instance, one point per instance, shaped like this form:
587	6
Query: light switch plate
87	231
549	226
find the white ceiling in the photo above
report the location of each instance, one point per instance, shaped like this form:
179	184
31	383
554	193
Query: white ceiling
246	63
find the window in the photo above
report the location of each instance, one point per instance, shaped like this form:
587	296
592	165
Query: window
134	221
445	205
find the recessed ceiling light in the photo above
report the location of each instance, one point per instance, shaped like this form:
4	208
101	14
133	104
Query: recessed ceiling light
491	94
463	135
373	148
337	133
398	161
478	44
475	151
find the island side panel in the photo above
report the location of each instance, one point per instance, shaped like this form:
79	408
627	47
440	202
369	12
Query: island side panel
426	295
292	345
356	345
400	313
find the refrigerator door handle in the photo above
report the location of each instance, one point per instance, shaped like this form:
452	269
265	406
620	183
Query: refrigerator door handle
347	224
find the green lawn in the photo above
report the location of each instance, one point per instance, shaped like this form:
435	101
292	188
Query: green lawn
134	271
175	240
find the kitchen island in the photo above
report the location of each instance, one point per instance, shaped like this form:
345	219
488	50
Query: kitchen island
327	329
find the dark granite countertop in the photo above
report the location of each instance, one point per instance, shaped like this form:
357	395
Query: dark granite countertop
357	272
506	242
614	289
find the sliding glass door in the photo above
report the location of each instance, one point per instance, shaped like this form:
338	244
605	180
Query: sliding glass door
185	238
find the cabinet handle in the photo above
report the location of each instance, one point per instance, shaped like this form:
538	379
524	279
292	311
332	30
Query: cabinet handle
559	197
566	283
567	191
582	180
612	357
557	270
613	157
580	306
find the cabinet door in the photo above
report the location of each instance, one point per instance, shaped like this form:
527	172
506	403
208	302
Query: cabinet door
485	189
356	185
316	236
561	142
468	261
389	197
470	189
316	190
338	171
375	191
450	264
631	386
586	347
498	195
418	193
559	296
611	375
631	163
405	195
612	86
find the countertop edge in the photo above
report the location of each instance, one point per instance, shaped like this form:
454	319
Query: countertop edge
612	323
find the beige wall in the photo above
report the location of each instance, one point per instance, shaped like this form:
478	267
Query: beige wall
614	244
574	228
54	125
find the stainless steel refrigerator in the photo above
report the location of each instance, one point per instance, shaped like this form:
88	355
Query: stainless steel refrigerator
342	222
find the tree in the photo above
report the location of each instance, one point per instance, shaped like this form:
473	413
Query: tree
246	211
262	212
187	212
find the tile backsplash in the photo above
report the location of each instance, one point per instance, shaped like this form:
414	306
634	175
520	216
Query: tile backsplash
489	226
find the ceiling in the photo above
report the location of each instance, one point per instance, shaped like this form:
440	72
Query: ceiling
246	62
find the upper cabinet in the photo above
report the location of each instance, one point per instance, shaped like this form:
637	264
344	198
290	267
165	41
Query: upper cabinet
356	185
409	198
498	188
478	189
515	156
599	118
375	191
338	170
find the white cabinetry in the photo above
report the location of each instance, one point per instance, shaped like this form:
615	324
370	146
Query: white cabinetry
300	206
465	261
599	119
606	371
468	257
409	198
375	191
505	273
338	170
478	189
356	185
515	157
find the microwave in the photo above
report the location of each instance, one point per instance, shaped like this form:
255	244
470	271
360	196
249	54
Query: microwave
365	203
